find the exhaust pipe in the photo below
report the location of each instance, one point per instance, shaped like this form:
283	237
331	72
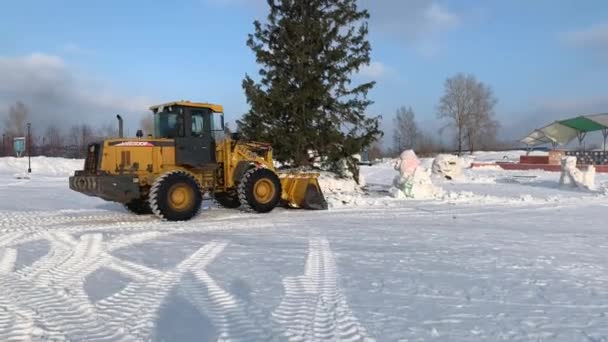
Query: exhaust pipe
119	125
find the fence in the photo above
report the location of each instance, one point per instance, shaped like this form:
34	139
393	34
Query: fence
66	151
589	157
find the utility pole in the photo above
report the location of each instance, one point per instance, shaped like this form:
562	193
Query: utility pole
29	148
4	144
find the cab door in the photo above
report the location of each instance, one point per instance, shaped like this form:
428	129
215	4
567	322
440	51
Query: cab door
195	147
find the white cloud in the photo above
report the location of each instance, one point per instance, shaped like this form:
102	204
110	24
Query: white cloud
74	49
374	70
439	16
417	23
55	93
595	37
420	24
573	106
543	111
257	5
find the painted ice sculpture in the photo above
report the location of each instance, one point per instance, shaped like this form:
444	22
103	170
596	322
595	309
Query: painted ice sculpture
447	166
413	181
574	177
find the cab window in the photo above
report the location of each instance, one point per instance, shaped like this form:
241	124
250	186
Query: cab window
169	125
201	123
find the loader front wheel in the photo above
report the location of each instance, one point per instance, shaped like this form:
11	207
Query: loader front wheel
175	196
260	190
139	207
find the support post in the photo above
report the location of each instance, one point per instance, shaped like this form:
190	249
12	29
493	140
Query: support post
581	137
29	148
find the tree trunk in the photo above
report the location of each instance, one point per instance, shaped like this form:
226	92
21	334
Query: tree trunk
459	141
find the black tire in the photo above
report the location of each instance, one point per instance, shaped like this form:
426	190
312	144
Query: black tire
227	200
175	196
139	207
249	190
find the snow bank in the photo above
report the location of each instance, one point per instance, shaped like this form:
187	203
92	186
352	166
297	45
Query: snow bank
41	166
339	192
494	156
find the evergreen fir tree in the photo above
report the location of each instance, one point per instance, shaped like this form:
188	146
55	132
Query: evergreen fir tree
304	100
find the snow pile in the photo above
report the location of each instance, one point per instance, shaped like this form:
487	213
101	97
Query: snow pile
447	166
41	166
576	178
413	180
339	191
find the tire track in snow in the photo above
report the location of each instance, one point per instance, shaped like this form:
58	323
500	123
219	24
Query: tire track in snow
47	298
9	238
70	261
132	270
134	308
35	222
8	257
13	220
65	268
61	247
313	307
234	319
46	288
58	313
15	324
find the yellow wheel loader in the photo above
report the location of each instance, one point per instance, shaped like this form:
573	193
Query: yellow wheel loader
189	155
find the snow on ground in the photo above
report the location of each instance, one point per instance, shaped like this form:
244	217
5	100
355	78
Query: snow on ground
502	256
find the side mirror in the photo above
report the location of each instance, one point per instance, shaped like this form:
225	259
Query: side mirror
139	133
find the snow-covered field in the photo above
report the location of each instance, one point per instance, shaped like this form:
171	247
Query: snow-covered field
499	256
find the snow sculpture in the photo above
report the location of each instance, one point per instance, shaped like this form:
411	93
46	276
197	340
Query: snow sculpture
576	178
413	181
447	166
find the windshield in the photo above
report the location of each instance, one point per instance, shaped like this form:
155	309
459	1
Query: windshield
168	125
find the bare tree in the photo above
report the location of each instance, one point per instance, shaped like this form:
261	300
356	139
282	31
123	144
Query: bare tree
53	141
406	130
147	124
108	130
375	150
74	136
426	145
481	127
468	105
87	136
14	123
79	136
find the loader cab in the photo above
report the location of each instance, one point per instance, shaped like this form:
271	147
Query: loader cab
195	128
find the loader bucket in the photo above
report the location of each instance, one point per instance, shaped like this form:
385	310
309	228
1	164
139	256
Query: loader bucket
302	190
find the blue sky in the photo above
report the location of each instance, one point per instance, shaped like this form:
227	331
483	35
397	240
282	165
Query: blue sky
84	61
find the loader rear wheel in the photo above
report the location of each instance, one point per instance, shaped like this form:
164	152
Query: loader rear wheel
227	199
259	190
139	206
175	196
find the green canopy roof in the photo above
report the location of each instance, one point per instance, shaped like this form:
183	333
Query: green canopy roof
583	124
563	131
